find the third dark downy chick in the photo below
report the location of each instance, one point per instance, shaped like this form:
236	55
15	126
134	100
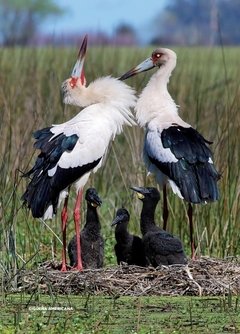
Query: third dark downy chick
129	248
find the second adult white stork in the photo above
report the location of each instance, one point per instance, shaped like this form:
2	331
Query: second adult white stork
71	151
173	150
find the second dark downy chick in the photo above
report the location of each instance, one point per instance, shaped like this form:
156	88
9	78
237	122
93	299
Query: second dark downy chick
92	243
161	247
129	248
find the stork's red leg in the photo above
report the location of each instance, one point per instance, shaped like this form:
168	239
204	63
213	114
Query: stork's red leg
190	218
165	207
64	217
77	229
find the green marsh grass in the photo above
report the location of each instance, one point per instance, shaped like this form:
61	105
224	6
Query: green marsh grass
206	86
116	315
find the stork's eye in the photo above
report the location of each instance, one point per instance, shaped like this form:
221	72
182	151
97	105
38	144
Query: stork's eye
157	55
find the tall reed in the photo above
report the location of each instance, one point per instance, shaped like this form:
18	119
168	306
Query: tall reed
205	85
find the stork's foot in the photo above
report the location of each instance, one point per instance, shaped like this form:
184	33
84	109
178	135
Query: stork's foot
64	268
78	268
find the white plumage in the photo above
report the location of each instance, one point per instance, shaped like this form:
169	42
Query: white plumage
173	150
72	150
95	126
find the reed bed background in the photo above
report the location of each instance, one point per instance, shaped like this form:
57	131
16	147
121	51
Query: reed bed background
206	86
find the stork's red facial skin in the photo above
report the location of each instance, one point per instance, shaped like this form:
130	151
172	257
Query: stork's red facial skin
73	82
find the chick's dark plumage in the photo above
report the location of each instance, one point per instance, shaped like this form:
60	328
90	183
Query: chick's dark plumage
129	248
161	247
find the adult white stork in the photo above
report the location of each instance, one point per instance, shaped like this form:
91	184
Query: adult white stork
173	150
70	151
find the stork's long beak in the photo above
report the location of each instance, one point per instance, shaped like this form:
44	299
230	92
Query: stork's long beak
146	65
77	72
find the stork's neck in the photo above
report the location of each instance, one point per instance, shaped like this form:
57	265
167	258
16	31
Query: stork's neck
92	225
161	78
147	216
155	102
121	233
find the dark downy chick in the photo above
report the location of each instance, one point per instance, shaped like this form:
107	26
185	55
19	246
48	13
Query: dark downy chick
92	244
129	248
161	247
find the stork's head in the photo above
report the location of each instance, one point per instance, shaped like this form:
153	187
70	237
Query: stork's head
122	216
92	197
161	57
148	193
72	86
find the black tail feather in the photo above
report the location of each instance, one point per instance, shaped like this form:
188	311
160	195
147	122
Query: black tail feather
37	196
197	184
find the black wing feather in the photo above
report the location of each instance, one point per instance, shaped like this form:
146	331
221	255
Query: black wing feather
193	173
44	190
186	143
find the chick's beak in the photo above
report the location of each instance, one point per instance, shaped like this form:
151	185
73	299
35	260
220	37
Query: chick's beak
78	72
118	219
96	200
146	65
141	191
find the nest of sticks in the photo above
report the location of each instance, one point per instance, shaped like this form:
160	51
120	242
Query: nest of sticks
202	277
